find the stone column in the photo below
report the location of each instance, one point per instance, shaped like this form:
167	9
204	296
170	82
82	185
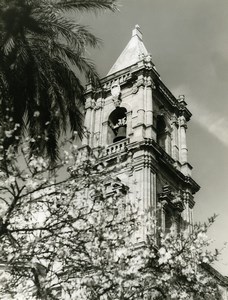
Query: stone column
175	148
104	135
88	123
138	192
149	102
163	215
150	132
129	123
183	143
147	189
187	213
98	124
168	142
151	200
140	100
140	113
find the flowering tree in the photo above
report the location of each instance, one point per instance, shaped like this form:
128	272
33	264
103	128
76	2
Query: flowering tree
70	232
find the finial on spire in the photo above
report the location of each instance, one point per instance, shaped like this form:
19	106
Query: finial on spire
136	32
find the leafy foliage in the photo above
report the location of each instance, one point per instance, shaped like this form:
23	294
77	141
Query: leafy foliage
74	232
39	46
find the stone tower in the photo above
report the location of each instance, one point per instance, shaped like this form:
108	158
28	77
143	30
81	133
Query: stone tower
142	127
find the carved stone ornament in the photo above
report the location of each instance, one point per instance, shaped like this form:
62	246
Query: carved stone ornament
140	82
116	101
174	121
135	89
115	91
99	104
141	56
148	62
182	122
150	83
148	58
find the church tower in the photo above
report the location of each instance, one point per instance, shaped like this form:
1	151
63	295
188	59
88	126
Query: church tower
142	127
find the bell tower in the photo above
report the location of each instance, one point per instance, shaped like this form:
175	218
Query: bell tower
142	128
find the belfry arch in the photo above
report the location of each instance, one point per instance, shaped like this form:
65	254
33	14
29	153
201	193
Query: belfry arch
117	125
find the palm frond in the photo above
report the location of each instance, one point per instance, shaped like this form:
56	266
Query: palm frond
74	34
85	5
84	64
39	49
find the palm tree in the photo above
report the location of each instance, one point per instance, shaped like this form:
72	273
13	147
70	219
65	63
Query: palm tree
39	91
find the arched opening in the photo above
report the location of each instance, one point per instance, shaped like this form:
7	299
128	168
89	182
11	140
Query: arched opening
117	125
161	132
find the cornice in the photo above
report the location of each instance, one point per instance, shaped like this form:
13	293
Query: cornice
168	162
171	99
159	156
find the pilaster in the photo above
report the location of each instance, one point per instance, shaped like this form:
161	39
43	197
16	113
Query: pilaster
149	119
174	139
89	121
187	214
97	123
129	123
145	189
104	136
183	143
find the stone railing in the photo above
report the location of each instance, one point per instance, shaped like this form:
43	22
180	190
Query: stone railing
116	147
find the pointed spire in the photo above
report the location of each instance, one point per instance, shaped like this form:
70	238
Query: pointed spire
132	52
136	31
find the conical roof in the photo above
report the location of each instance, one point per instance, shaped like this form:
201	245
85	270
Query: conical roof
132	52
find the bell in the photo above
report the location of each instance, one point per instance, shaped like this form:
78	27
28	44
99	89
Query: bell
121	134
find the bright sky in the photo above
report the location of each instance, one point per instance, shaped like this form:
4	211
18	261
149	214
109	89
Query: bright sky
188	40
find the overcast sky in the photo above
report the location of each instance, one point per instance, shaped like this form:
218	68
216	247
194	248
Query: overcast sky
188	40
